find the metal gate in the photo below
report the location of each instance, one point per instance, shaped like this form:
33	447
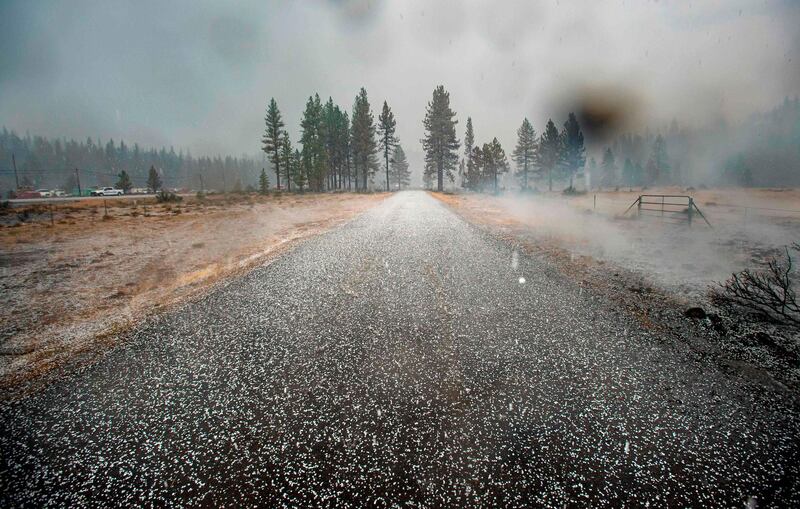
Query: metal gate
672	208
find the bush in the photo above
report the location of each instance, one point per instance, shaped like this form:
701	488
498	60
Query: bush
571	191
766	296
167	197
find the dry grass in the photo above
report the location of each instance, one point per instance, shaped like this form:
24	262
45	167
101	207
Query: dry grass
65	287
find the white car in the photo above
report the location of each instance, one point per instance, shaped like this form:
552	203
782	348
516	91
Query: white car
44	193
108	191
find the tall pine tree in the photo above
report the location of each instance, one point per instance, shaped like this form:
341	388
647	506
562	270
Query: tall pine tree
549	151
525	153
494	162
286	159
609	177
363	144
471	176
440	143
313	141
386	129
272	137
399	171
574	154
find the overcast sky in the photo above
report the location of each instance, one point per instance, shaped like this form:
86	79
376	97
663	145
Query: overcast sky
198	74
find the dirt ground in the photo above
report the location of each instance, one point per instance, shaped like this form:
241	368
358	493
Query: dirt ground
656	269
71	285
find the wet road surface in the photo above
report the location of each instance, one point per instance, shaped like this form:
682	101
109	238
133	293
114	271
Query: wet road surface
403	358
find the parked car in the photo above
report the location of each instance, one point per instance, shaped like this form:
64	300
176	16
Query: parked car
108	191
58	193
44	193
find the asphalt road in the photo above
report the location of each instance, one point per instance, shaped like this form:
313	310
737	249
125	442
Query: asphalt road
405	357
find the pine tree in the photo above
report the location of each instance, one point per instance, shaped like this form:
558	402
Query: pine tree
363	144
469	143
263	182
386	129
399	170
494	162
313	141
440	143
525	152
298	171
471	173
286	159
549	151
592	169
574	156
609	166
629	177
475	173
272	137
124	182
657	164
153	180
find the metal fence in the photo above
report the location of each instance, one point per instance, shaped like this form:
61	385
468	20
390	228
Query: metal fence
671	208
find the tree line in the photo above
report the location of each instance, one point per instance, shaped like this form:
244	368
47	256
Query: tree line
339	151
50	163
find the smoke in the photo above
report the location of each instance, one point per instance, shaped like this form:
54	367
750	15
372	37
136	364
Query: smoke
199	74
674	256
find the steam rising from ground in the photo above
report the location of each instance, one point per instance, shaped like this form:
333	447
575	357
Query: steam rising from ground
671	255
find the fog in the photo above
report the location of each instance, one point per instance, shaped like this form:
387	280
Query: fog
198	75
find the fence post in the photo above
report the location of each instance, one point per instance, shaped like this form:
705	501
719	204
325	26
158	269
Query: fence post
691	209
639	205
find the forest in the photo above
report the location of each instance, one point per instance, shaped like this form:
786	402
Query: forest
356	151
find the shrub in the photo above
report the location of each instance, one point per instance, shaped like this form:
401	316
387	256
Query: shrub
571	191
167	197
768	295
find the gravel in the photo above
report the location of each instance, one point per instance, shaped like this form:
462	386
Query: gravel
403	358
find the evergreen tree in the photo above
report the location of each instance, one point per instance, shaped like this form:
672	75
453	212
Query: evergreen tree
574	156
313	141
525	152
386	129
440	143
629	177
549	151
472	167
124	182
298	171
466	167
263	182
494	162
272	137
609	165
399	171
475	173
363	145
592	165
286	159
657	164
153	180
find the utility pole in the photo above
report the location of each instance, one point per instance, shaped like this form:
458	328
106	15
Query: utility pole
78	178
14	163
